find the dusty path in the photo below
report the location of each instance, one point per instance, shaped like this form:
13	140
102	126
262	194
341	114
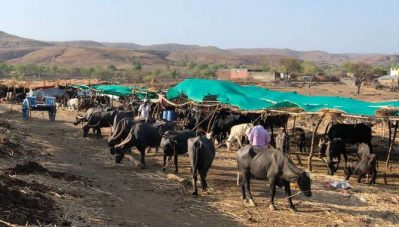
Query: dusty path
128	196
120	195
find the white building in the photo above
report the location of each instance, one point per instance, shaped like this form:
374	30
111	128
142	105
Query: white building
394	71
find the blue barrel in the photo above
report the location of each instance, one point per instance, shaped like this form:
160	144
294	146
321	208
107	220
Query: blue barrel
164	114
171	115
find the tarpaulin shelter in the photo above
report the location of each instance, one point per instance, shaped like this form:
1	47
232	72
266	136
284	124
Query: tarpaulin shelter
118	90
253	98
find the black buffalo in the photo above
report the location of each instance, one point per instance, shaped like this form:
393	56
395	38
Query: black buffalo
99	120
121	131
351	133
174	144
334	148
201	152
141	136
261	163
121	115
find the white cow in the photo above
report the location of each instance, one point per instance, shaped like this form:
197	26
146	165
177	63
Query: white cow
73	104
237	132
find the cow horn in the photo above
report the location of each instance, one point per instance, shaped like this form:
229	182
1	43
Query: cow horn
79	117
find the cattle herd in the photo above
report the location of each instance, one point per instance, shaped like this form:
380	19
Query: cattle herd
197	133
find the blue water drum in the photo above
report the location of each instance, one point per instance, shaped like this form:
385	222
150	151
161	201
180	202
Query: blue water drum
171	115
164	115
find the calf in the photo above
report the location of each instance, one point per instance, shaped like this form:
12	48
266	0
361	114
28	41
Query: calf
333	149
274	165
201	152
174	144
367	164
283	142
73	104
238	132
299	138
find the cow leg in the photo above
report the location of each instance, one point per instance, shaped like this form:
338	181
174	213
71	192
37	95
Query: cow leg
99	133
175	161
272	182
195	192
142	156
287	189
373	172
247	176
346	161
339	160
239	142
204	185
242	185
165	159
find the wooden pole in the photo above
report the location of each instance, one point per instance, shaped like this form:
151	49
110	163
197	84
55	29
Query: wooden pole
210	121
312	143
293	126
392	142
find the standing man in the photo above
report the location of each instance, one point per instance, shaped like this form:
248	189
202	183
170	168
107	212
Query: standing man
259	136
144	110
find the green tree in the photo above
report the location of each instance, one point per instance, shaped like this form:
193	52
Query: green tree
111	68
310	68
265	67
289	66
359	73
136	66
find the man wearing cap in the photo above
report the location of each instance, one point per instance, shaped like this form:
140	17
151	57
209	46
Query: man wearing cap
144	110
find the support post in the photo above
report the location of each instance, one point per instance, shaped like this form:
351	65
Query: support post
312	143
293	126
392	142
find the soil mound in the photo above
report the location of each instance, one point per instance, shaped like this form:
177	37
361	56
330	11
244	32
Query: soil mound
32	167
26	203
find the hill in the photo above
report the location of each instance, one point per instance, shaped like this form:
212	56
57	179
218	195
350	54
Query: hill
77	56
19	50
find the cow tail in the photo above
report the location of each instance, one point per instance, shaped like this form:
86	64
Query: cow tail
196	154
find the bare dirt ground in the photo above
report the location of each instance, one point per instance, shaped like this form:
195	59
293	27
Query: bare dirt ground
102	193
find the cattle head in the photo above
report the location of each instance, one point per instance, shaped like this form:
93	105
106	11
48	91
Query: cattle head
304	182
168	143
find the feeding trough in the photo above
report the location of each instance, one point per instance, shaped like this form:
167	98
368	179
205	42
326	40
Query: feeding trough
34	103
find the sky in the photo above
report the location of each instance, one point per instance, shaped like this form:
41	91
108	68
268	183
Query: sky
337	26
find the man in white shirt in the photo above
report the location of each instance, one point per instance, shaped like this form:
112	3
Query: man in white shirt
144	110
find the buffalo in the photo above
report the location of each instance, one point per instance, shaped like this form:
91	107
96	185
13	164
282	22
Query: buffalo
274	165
173	144
201	152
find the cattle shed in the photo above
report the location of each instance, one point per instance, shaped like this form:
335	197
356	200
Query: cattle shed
320	110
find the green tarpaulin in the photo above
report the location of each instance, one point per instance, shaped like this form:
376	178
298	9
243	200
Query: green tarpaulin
257	98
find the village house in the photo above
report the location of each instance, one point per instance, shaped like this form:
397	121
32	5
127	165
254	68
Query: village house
236	74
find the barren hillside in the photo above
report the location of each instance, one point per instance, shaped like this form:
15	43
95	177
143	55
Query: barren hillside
92	53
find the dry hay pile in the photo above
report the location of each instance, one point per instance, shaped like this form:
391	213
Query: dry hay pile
34	167
386	112
23	203
8	141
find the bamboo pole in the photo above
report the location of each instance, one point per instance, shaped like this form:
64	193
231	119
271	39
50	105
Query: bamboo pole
312	143
392	142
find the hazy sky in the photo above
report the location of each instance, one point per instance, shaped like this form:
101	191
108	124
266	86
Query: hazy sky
366	26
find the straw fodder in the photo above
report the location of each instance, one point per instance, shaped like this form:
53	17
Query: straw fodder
386	112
